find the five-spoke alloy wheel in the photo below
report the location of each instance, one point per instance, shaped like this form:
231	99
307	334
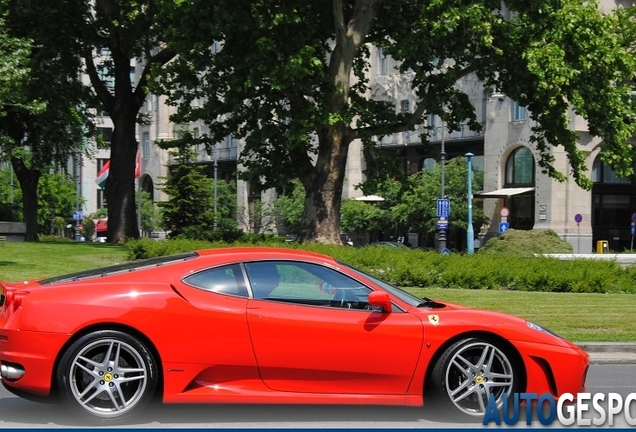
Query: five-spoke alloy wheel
107	376
470	371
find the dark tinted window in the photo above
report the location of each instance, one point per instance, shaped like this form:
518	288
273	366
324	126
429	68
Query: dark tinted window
222	280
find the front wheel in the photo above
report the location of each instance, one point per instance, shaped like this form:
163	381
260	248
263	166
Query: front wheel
469	372
107	376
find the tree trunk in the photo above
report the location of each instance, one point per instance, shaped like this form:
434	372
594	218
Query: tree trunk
323	191
28	179
120	190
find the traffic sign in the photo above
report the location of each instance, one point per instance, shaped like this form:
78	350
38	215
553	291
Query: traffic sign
633	217
443	207
578	218
442	223
77	215
633	229
504	212
503	227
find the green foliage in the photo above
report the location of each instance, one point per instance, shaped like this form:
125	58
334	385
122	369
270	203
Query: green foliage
290	205
57	197
191	202
359	216
417	268
10	197
150	215
526	243
284	75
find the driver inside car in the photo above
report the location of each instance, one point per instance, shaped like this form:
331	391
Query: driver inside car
264	278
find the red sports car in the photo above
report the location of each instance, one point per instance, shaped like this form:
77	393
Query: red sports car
264	325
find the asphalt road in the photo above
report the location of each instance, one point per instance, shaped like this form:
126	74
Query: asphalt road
20	413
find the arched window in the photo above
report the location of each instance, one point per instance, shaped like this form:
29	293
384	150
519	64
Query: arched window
520	173
520	168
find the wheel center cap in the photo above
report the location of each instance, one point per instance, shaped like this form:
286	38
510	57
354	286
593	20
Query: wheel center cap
479	379
108	377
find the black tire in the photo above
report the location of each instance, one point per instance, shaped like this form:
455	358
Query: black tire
107	376
468	372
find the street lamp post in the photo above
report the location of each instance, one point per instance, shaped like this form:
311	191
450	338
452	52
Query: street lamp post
470	235
441	243
216	199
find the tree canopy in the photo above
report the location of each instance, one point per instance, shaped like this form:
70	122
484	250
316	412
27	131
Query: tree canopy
291	79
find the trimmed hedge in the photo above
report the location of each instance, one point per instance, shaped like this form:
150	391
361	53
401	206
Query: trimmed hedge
418	268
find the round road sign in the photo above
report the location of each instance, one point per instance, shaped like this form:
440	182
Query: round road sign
504	212
578	218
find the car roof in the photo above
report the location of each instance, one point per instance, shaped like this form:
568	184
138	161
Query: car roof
265	252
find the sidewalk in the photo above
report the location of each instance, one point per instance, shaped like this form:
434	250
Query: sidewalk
610	352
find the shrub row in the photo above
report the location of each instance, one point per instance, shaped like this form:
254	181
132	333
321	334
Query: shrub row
417	268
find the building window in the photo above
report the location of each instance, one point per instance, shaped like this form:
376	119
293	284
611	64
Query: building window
106	134
519	173
519	112
405	107
384	62
146	152
602	173
101	199
520	168
195	135
229	141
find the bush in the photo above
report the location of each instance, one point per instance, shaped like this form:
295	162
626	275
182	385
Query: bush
416	268
526	243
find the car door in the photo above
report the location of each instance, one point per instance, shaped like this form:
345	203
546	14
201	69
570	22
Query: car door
310	337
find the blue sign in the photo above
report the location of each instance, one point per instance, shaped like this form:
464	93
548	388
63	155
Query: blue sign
445	251
578	218
443	208
503	227
77	215
633	229
442	223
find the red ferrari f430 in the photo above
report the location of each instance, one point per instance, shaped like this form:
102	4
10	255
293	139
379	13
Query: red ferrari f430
264	326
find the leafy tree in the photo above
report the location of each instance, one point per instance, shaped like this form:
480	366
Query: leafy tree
124	32
289	206
291	80
359	217
10	196
46	117
191	202
417	209
57	197
150	216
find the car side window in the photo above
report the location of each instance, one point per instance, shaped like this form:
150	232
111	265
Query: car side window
307	284
222	280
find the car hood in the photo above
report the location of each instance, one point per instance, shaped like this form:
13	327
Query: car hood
452	318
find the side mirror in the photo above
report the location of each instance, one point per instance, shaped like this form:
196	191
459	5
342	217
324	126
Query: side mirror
380	299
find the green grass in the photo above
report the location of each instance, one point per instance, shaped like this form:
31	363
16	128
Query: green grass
22	261
576	316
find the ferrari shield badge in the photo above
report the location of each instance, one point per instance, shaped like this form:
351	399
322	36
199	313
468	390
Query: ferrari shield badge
433	319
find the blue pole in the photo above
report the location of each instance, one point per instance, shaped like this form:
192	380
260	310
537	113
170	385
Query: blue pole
470	235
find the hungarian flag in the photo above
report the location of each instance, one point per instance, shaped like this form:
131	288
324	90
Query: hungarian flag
102	176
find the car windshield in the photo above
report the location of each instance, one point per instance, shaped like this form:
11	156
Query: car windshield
117	268
397	292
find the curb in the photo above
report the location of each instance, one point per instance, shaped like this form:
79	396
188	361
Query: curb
610	352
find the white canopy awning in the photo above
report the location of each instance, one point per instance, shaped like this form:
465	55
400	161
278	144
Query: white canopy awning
504	193
369	198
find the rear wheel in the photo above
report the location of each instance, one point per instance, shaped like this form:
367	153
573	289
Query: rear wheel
107	376
469	372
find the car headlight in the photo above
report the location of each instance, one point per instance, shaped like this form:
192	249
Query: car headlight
537	327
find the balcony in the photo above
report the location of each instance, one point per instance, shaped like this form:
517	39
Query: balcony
412	138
